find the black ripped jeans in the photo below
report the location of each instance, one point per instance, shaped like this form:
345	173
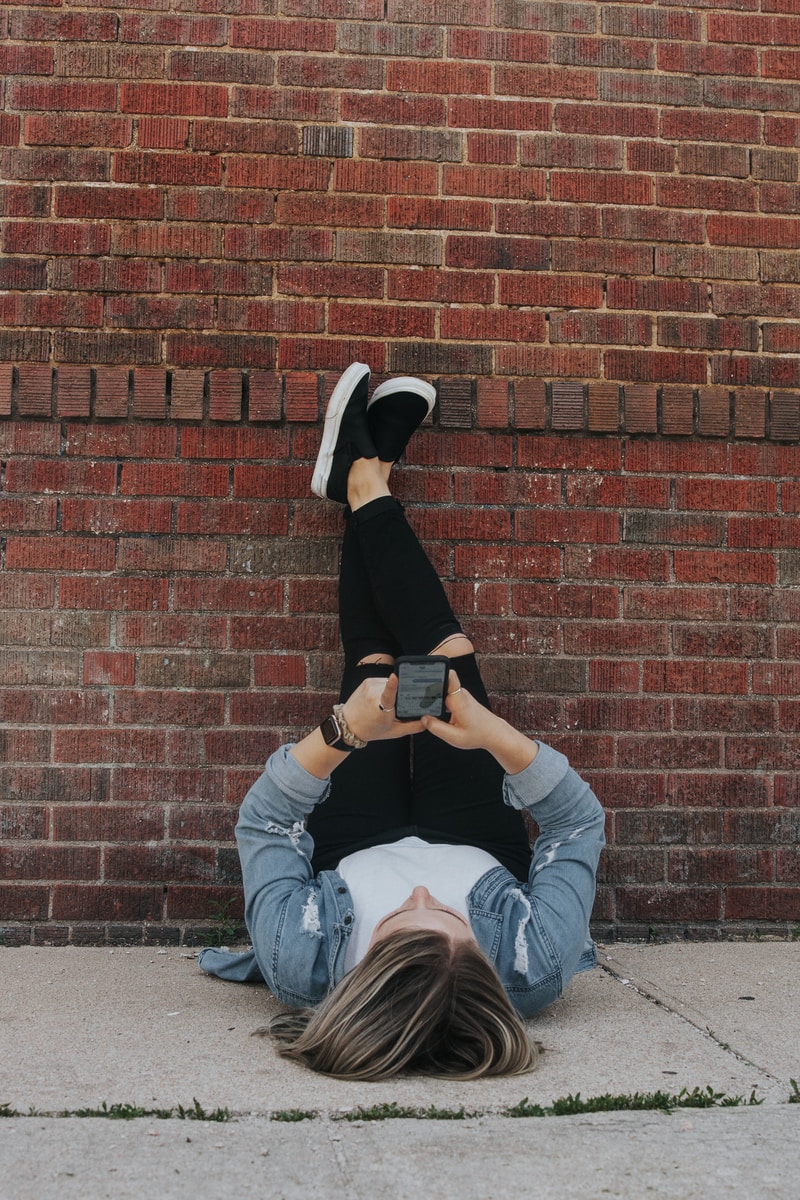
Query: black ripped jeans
391	601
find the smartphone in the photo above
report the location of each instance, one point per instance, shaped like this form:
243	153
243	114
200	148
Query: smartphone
422	686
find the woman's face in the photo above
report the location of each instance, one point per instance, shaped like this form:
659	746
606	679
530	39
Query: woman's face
423	911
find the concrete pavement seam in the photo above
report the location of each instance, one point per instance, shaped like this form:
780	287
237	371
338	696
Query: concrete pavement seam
705	1031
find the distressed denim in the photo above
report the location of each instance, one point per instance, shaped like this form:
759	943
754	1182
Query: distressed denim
536	935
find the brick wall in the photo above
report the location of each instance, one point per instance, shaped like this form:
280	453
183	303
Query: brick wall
579	220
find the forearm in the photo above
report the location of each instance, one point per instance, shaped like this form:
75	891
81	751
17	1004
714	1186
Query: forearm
316	757
369	714
512	749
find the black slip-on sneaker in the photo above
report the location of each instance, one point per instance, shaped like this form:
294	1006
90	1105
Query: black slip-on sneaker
397	408
345	434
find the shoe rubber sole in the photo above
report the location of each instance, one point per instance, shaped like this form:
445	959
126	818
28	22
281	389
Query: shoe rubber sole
333	419
405	383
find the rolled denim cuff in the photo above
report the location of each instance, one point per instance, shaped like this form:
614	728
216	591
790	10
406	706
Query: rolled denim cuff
294	781
536	781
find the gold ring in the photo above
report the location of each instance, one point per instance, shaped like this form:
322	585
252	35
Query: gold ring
380	706
455	691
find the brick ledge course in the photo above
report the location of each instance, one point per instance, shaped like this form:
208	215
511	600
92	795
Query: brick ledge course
228	395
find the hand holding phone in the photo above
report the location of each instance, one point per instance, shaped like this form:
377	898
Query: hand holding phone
422	686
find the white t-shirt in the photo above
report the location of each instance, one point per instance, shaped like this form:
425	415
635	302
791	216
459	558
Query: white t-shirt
382	878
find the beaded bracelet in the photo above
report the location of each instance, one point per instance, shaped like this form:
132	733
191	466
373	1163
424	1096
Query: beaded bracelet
348	737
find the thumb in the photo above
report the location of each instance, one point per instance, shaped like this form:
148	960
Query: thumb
441	729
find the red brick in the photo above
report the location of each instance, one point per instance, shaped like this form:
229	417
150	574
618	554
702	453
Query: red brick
349	73
220	350
696	677
64	97
172	554
708	332
763	532
497	148
229	595
177	99
655	366
71	130
549	220
440	286
115	516
541	81
306	354
749	413
257	33
24	902
698	59
762	904
26	60
225	395
106	903
499	114
753	231
366	320
501	182
425	110
607	120
530	403
25	237
492	325
600	327
336	211
595	188
753	28
108	202
707	193
653	225
492	403
497	45
548	361
172	169
278	104
698	566
727	495
445	78
567	527
561	291
650	156
50	310
704	125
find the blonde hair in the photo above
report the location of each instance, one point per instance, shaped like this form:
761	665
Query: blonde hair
417	1003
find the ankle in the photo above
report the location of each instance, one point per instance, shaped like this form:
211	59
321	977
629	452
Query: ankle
365	482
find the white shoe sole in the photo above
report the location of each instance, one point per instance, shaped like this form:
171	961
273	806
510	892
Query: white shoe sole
333	419
406	383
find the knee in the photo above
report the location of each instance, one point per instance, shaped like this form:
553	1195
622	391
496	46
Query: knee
454	646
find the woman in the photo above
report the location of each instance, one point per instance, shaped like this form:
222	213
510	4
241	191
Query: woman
390	890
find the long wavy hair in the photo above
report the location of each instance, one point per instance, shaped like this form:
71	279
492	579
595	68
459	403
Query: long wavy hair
417	1003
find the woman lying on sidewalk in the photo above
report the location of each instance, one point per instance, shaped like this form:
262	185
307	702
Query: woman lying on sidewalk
406	916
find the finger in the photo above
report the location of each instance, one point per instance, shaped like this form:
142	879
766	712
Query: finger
389	694
453	682
455	695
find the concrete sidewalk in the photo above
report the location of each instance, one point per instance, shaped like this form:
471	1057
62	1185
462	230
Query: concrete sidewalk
144	1027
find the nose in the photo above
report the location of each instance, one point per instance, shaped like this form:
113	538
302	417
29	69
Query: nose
421	898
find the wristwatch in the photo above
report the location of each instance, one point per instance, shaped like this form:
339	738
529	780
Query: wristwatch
338	734
332	734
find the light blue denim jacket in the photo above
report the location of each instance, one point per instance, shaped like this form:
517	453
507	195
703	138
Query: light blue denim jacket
536	935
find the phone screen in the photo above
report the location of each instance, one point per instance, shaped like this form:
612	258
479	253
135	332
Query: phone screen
422	686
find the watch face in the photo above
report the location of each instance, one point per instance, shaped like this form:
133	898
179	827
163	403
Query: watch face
330	731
